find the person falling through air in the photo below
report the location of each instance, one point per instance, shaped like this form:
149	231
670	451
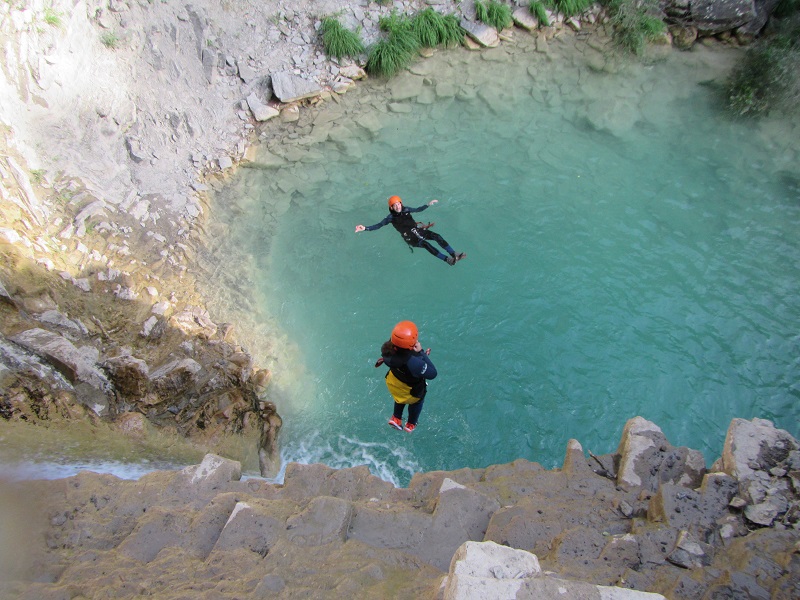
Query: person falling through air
416	235
409	370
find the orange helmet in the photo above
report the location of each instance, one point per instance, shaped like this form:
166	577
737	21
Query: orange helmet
405	335
393	200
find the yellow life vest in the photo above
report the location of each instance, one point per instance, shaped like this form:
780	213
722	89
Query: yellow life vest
401	392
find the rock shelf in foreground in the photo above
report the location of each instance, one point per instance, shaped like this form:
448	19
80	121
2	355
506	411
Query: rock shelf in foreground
512	531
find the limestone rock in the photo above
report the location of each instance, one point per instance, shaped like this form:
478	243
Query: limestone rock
324	520
752	446
291	88
194	321
484	35
353	72
212	472
129	374
488	570
252	527
714	16
261	112
647	459
77	365
523	18
689	552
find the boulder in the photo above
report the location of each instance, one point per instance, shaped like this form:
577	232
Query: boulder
291	88
261	112
353	72
483	35
752	446
130	375
647	459
77	365
489	570
214	472
252	527
714	16
324	520
523	18
194	321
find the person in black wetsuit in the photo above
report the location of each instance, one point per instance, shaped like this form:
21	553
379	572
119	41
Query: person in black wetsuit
409	371
415	234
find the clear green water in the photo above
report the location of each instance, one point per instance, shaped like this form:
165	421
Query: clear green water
630	252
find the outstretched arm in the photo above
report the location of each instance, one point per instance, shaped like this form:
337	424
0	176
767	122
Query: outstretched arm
386	221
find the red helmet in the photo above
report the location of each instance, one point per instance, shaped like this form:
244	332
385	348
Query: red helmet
405	335
393	200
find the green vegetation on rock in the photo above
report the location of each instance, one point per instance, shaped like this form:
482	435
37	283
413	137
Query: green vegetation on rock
570	8
406	35
538	10
635	23
768	77
110	40
339	41
435	29
493	13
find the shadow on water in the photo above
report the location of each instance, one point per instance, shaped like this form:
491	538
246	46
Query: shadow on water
630	252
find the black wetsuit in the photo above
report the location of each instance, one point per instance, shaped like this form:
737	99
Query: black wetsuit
414	236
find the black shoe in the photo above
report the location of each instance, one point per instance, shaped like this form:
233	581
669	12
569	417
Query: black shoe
460	256
451	260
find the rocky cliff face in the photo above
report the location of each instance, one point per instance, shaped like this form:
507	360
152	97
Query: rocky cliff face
647	518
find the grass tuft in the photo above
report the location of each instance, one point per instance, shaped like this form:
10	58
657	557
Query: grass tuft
767	77
387	57
110	40
433	29
493	13
52	17
635	23
538	10
570	8
339	41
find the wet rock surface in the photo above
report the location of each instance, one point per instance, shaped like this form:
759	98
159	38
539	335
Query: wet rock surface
514	530
188	378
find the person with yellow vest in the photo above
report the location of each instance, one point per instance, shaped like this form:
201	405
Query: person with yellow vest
409	371
416	235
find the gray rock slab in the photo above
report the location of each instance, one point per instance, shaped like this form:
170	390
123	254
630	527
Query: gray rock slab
752	446
324	520
75	364
129	374
524	19
159	528
488	570
291	88
250	526
214	472
647	459
482	34
261	112
724	15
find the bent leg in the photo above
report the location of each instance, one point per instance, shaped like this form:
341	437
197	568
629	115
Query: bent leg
427	245
432	235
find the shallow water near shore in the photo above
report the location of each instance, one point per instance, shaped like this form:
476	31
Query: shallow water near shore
631	251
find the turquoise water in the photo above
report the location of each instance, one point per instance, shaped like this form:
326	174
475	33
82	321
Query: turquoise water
630	252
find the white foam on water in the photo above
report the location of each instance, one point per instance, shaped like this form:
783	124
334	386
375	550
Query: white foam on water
343	452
